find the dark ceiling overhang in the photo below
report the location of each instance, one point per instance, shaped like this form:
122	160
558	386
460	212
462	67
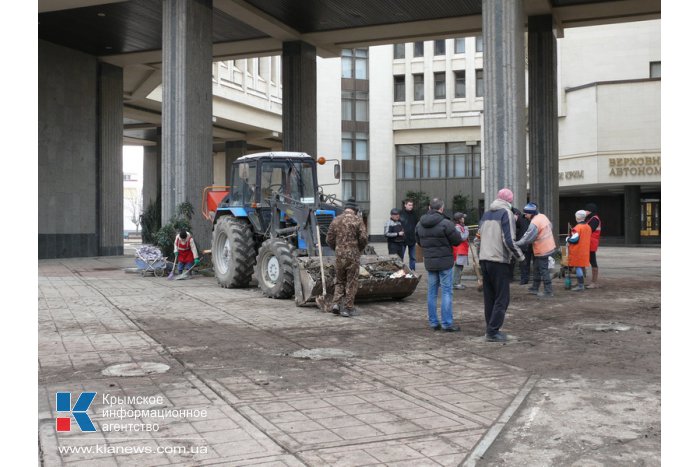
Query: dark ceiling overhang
130	32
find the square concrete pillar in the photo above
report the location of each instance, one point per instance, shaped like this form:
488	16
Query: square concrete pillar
542	116
633	218
299	101
187	109
504	99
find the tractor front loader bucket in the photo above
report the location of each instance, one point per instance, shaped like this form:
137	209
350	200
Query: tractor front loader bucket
381	277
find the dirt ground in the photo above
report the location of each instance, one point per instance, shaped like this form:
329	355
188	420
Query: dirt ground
591	359
597	401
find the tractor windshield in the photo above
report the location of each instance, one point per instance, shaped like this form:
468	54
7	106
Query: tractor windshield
293	179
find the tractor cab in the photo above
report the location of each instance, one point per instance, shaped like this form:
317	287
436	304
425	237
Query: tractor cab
287	176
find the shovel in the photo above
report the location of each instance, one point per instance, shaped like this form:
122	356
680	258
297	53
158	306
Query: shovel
322	301
477	268
172	271
184	274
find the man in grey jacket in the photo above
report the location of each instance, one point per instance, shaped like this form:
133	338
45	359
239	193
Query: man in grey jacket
497	241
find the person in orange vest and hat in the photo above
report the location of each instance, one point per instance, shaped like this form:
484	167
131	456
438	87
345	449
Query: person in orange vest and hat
579	248
539	233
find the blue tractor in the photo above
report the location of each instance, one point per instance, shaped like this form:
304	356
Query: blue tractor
266	228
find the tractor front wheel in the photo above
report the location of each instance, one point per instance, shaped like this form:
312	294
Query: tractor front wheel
274	269
233	252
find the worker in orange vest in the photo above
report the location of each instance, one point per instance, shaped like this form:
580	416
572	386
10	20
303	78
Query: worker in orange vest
579	248
539	233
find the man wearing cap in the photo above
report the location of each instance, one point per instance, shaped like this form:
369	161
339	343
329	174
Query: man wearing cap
579	247
394	233
593	221
497	247
436	234
543	246
347	235
409	221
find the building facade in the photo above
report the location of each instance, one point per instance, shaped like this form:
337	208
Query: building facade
425	124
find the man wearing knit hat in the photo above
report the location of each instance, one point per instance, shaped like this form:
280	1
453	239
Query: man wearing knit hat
497	247
543	246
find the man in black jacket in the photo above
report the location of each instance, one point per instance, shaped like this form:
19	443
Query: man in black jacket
409	221
436	234
521	225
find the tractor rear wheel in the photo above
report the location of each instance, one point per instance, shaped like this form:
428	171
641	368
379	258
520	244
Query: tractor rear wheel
233	252
274	269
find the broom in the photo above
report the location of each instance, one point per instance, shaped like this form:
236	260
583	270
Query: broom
172	271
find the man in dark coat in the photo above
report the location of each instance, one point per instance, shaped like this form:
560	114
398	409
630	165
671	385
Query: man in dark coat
408	220
521	226
437	234
347	235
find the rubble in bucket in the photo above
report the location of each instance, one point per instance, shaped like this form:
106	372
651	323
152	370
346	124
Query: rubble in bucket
380	277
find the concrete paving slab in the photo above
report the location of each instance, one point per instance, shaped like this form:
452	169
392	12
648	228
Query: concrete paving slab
397	393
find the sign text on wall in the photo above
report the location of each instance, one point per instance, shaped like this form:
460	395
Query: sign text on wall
634	166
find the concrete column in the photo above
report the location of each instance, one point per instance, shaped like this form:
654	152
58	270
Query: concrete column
542	116
234	150
299	101
504	99
152	179
187	109
110	178
633	218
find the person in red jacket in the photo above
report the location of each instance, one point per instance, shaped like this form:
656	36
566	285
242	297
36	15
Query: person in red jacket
186	254
579	248
461	251
593	220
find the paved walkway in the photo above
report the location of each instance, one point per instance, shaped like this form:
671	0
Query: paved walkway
256	381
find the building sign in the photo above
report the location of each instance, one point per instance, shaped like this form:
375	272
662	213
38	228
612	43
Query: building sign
634	166
571	175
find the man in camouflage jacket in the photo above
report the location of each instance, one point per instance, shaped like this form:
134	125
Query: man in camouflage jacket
347	235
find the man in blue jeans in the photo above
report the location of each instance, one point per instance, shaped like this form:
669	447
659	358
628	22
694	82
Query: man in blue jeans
436	234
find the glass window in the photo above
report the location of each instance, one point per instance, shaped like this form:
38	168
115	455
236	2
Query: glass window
654	69
479	44
459	45
418	92
399	51
459	166
347	185
347	63
361	147
479	83
243	184
440	89
361	68
361	107
361	63
361	187
347	105
409	167
439	48
477	160
399	88
460	84
347	145
418	49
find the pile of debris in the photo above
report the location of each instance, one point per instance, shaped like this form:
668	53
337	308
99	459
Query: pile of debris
380	277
